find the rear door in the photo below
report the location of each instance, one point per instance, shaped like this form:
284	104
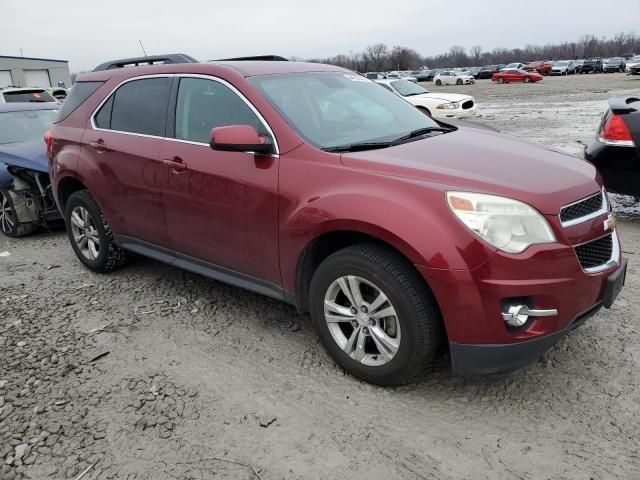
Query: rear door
221	207
124	140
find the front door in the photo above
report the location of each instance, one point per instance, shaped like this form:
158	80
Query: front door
220	207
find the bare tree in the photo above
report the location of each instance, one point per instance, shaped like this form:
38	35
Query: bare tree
377	55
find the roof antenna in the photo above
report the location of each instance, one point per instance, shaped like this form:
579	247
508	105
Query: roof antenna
142	46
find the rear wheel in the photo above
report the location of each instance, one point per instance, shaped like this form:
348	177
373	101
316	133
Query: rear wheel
9	221
374	314
527	79
90	235
500	80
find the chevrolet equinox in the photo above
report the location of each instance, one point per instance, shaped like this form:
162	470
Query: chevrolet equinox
397	233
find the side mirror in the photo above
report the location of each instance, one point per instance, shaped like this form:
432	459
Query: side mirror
239	138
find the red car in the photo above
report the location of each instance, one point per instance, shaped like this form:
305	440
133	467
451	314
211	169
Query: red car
540	67
316	186
515	75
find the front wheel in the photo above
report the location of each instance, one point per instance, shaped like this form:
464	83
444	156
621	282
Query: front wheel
90	235
374	314
9	221
424	110
459	82
438	82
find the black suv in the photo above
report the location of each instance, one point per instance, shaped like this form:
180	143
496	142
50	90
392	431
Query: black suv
592	65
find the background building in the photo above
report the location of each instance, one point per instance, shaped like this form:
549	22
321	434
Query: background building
33	72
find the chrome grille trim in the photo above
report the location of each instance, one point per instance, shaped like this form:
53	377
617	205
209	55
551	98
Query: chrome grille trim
602	211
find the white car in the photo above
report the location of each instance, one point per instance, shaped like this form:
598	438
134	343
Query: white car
632	62
405	75
515	65
438	105
450	77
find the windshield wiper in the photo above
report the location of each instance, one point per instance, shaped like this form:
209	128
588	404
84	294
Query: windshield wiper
419	132
356	147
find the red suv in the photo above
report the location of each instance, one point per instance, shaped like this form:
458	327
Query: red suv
314	185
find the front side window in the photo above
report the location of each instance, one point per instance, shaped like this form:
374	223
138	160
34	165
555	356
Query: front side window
205	104
138	106
332	109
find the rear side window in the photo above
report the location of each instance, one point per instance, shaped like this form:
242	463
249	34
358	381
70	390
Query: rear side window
76	97
138	106
33	96
205	104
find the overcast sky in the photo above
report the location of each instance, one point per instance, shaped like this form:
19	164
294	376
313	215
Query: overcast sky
88	32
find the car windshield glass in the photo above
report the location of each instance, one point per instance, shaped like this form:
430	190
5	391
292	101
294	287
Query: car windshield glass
25	125
331	109
561	64
406	88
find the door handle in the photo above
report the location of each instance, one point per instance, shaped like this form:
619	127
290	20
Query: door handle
99	145
175	163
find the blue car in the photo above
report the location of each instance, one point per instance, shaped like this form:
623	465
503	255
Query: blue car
26	201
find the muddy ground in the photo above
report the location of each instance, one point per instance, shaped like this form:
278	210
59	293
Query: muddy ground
155	373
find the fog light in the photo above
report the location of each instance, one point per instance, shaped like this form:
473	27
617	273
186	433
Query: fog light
517	315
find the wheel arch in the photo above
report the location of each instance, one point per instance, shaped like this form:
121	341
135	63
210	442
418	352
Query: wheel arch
66	187
337	238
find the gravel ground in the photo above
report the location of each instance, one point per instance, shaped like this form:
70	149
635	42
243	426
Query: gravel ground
155	373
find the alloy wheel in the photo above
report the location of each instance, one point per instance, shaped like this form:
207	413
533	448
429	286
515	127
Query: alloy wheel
8	219
362	320
85	233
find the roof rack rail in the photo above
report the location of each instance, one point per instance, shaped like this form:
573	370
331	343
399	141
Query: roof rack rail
264	58
148	60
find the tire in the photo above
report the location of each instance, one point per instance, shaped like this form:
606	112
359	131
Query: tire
424	110
527	80
9	221
438	82
415	320
500	80
459	82
84	218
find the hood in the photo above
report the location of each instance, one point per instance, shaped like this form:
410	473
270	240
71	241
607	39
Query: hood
31	155
487	162
446	97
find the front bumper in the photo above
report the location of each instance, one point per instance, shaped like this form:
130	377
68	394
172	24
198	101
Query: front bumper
544	277
457	113
481	359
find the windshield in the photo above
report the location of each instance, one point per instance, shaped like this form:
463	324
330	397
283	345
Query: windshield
561	64
331	109
406	88
25	125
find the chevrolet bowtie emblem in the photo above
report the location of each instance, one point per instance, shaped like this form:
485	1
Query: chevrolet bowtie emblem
610	223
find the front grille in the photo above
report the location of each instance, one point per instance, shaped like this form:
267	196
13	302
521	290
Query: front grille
595	253
467	104
582	208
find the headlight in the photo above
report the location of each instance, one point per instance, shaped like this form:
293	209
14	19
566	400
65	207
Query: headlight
507	224
448	106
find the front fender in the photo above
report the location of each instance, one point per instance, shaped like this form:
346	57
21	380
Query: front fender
410	215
